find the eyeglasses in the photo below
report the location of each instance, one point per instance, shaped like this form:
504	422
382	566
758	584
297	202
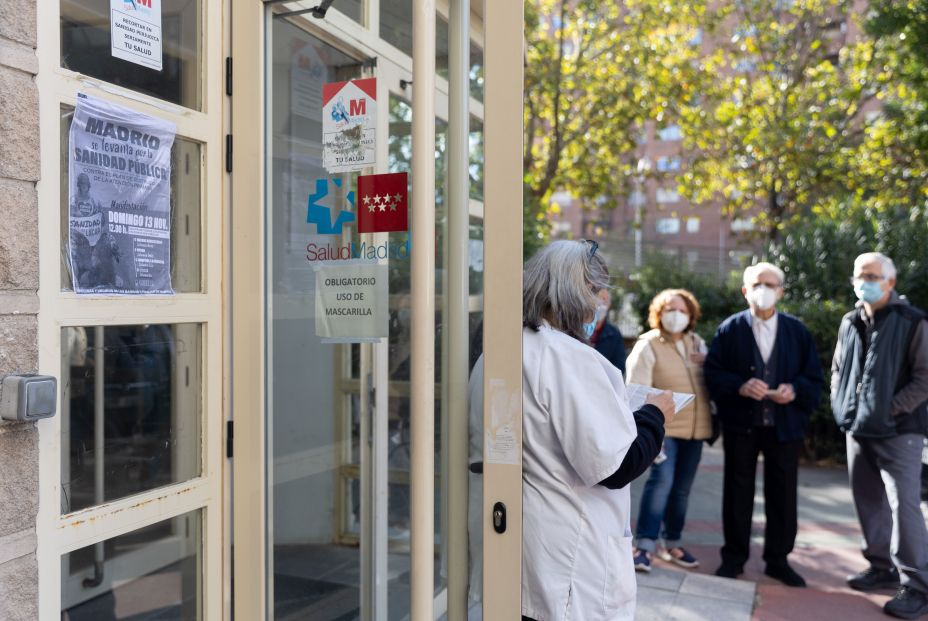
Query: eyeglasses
866	278
594	246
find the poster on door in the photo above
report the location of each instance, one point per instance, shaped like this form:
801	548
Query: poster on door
135	32
349	113
351	301
119	200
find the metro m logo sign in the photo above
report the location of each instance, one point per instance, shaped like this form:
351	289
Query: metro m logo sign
357	107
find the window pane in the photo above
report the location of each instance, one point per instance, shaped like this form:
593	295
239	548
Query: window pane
351	8
186	164
130	410
150	573
396	29
86	48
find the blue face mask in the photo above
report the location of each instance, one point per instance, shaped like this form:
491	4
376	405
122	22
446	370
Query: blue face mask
588	328
868	292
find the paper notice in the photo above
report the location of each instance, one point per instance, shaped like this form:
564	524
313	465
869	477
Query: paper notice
637	394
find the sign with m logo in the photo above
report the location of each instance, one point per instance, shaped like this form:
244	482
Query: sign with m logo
349	114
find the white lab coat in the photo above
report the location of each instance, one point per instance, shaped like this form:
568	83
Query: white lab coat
577	428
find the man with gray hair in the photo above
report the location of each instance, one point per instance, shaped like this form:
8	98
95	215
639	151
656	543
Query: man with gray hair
879	397
763	374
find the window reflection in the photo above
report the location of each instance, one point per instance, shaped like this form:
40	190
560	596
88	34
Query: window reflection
86	49
151	573
130	410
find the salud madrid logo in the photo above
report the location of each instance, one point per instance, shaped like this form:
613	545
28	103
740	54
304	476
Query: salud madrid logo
383	207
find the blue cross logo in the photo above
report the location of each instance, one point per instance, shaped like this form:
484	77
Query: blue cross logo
321	216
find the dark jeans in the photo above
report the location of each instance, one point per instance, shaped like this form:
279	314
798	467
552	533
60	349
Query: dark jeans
781	465
667	493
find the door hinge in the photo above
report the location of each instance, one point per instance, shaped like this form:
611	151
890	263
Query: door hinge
229	443
229	76
228	153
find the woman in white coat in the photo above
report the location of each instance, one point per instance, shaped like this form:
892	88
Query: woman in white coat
581	446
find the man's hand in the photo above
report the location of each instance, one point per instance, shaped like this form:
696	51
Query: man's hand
664	402
754	389
783	394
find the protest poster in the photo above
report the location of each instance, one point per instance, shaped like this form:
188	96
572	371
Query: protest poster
119	200
135	32
349	113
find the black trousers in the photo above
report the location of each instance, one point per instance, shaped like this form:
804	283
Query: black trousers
781	465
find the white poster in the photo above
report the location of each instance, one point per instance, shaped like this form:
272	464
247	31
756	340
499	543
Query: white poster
135	31
351	301
349	114
119	198
307	75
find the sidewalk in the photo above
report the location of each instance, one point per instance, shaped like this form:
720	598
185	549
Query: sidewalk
827	551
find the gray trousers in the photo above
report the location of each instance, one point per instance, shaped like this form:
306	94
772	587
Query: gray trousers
885	479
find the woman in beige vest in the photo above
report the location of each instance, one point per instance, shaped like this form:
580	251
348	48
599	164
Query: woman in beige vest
670	356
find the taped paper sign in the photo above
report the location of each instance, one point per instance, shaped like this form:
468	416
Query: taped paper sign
503	437
135	31
119	199
351	302
349	113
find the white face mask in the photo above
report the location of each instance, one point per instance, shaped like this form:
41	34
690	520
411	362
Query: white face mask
675	321
763	297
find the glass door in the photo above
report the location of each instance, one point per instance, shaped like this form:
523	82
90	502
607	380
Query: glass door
322	442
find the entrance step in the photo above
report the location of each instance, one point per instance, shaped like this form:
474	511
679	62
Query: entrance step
676	595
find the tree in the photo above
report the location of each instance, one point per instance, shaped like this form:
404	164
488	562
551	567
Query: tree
780	127
595	72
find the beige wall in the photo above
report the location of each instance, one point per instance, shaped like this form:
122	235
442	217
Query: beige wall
19	279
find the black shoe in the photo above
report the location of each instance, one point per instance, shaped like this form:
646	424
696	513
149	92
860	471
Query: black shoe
907	604
726	570
872	579
785	574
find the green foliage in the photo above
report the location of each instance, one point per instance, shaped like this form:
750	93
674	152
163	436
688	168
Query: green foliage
595	72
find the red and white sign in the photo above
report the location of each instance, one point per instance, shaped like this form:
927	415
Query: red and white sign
349	114
383	203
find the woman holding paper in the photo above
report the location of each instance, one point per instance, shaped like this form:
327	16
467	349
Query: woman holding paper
582	445
670	357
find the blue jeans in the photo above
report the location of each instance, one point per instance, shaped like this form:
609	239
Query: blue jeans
667	493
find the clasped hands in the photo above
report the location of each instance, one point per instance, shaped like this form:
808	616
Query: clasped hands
758	390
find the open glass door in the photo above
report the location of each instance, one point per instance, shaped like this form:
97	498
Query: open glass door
323	461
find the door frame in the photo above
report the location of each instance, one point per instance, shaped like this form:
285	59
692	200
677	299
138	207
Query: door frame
60	534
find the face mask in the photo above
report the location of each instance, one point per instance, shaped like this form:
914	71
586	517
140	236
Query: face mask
675	321
763	297
588	328
868	292
600	313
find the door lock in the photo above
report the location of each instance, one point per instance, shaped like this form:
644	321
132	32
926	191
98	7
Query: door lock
499	517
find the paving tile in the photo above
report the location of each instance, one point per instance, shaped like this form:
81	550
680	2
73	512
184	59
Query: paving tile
736	591
659	578
701	608
653	604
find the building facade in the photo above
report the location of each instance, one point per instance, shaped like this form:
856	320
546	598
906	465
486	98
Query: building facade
228	430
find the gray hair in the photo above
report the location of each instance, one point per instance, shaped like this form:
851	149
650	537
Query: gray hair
889	268
559	285
753	271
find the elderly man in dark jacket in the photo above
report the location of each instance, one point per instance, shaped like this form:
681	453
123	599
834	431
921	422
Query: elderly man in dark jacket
763	374
879	396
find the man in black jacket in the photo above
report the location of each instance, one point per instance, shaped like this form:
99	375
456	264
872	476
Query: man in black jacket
763	374
879	397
